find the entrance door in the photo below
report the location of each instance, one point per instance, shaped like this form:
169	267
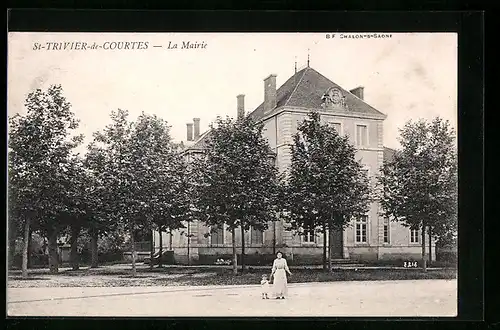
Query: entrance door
337	247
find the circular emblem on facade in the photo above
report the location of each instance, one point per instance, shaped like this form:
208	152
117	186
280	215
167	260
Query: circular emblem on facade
333	97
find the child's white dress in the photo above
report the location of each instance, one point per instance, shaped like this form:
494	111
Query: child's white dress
264	287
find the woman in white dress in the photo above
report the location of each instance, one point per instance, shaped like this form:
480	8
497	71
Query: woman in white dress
278	274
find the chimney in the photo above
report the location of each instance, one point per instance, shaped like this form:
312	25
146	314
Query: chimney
270	93
189	131
241	105
196	128
358	91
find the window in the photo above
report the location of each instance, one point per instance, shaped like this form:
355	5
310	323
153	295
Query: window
414	235
309	236
217	237
387	231
361	229
256	236
361	135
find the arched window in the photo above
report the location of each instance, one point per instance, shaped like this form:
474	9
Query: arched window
361	226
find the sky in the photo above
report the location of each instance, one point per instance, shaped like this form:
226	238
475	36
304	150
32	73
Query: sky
407	76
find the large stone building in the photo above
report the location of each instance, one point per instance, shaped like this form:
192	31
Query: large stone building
283	108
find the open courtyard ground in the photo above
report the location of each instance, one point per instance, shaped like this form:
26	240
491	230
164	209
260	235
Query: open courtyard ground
215	291
335	299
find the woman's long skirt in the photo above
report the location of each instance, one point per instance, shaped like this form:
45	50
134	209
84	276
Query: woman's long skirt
280	283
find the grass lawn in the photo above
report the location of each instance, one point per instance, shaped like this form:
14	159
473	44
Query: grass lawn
210	275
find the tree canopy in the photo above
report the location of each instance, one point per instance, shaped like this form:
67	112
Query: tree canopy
419	185
326	184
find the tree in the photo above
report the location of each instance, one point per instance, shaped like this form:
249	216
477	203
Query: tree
77	204
419	185
143	175
40	146
326	186
160	175
236	180
98	191
177	212
121	182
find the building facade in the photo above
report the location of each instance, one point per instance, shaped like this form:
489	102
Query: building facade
368	238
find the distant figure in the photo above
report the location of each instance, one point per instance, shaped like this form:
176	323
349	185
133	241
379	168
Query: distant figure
280	268
264	287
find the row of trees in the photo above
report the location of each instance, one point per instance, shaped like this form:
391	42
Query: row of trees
134	177
131	177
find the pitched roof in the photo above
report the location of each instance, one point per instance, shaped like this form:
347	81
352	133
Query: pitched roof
304	89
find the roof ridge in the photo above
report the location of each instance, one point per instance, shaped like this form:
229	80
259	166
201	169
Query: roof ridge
295	88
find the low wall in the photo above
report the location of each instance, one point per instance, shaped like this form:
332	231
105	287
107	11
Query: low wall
263	256
363	253
297	255
403	253
250	259
127	256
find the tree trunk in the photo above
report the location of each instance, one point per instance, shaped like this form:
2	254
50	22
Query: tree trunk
30	249
242	249
325	266
424	257
331	232
274	237
430	246
75	231
235	255
170	238
188	243
152	249
95	252
12	240
53	253
132	241
160	230
12	249
26	237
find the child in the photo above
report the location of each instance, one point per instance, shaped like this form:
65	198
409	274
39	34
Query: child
265	287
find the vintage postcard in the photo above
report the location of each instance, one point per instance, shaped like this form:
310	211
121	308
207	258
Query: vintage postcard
232	174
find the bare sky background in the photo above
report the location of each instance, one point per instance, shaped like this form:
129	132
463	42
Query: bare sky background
407	77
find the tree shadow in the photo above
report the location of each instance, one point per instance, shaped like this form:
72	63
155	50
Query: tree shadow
30	278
